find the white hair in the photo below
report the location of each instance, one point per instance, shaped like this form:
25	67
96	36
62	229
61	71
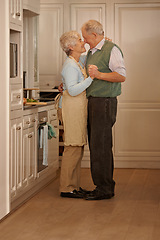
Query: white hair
69	39
93	26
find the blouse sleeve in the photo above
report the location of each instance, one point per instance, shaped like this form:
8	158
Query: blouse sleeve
71	77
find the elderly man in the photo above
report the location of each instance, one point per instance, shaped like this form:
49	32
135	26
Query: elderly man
104	62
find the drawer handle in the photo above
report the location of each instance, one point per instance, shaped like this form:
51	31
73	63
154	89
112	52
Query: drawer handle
55	126
18	128
18	14
54	115
18	96
30	136
42	120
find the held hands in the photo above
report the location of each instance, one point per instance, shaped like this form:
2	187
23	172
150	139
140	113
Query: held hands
93	71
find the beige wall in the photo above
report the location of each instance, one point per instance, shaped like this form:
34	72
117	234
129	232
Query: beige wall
135	27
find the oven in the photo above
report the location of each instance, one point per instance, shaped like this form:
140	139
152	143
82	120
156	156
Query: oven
42	152
48	96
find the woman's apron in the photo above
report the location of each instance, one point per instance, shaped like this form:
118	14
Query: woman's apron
74	116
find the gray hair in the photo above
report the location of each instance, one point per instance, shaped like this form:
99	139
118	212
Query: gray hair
93	26
69	39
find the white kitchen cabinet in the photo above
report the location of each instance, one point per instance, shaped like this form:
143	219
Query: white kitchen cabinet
16	65
16	97
25	179
30	49
15	157
23	154
32	6
53	144
50	53
16	12
29	168
29	162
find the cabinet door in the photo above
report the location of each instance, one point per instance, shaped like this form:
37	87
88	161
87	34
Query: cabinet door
16	12
25	158
13	159
53	146
31	150
16	96
29	156
16	59
16	156
50	53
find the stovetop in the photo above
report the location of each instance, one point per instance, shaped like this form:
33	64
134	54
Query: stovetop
46	99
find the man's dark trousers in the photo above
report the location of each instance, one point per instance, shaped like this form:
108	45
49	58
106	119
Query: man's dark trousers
102	113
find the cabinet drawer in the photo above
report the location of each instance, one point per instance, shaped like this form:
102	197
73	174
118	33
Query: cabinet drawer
28	121
33	119
16	96
46	85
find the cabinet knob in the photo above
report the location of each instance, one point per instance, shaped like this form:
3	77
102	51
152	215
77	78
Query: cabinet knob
18	14
28	122
30	136
47	84
18	96
34	120
18	128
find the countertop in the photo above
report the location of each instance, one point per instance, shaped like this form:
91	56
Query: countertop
38	106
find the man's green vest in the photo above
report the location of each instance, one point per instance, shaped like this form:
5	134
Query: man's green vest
101	88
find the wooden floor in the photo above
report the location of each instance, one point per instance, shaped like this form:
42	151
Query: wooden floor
133	214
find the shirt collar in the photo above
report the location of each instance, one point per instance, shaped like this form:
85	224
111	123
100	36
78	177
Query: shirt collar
98	46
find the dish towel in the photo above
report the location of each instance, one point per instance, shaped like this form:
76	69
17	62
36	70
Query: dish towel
45	145
51	131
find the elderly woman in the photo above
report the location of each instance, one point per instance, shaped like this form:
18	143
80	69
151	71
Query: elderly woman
74	114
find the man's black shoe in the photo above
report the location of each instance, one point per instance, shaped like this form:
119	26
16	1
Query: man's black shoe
98	195
74	194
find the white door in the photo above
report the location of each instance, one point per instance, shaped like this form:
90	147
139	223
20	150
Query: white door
137	131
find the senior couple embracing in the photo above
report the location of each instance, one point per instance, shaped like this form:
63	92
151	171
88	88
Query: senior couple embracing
91	84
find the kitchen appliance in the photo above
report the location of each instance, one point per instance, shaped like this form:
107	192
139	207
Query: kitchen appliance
48	96
42	152
13	60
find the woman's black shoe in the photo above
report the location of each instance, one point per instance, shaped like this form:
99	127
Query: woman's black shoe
84	191
74	194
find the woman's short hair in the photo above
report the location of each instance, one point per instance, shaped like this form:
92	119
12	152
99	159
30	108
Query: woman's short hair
69	39
93	26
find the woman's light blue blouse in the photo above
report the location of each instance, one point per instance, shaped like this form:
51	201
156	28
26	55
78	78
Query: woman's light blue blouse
73	79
